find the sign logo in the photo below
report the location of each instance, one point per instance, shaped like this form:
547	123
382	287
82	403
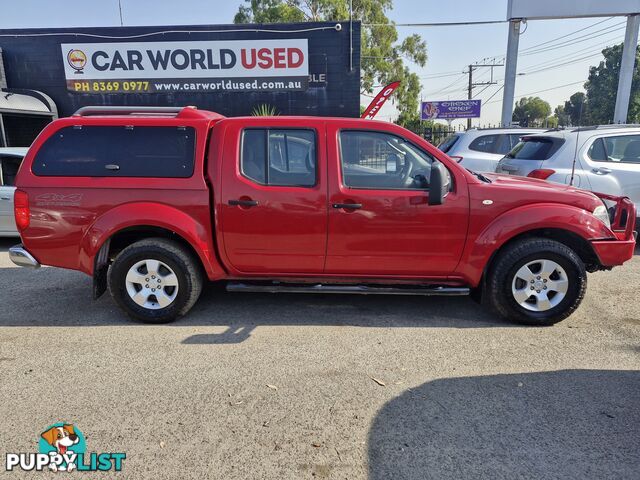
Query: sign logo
62	448
450	109
77	59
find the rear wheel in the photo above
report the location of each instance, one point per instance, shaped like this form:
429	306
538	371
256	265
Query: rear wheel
537	281
155	280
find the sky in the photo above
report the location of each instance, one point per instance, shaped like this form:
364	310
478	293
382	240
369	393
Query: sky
450	49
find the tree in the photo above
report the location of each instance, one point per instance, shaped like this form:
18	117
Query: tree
577	109
382	56
562	118
602	87
530	111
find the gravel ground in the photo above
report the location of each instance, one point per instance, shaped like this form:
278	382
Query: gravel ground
316	386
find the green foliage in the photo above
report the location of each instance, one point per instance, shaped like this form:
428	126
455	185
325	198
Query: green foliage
382	57
531	111
577	110
264	110
602	87
562	118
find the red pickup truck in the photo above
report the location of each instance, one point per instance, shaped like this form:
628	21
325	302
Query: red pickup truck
151	202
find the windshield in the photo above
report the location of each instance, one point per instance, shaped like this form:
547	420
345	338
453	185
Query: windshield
533	149
448	142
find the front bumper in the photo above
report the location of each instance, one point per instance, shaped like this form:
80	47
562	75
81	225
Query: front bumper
618	250
22	257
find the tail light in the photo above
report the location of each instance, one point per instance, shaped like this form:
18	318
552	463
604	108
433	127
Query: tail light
541	173
21	209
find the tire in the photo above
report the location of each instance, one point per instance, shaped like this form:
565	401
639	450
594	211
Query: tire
536	281
161	259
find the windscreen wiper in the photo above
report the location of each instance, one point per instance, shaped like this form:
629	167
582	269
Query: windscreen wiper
480	176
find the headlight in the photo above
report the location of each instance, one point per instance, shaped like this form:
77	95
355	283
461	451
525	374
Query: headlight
602	214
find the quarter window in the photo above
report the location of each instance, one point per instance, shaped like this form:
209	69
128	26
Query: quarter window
376	160
93	151
279	157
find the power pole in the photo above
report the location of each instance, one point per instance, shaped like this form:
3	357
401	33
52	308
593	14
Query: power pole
472	85
470	92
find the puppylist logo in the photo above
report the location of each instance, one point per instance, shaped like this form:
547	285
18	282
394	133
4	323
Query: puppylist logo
62	448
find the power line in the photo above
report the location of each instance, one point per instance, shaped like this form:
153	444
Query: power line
599	47
573	41
567	35
436	24
541	91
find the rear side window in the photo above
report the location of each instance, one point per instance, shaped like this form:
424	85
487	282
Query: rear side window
448	143
117	151
485	143
279	157
623	148
535	149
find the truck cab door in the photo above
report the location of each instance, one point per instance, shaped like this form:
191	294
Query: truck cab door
380	222
274	198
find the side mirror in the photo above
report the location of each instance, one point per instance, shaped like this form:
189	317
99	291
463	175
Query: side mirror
438	183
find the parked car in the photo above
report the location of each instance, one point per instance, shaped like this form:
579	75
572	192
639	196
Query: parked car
153	201
607	159
10	160
481	149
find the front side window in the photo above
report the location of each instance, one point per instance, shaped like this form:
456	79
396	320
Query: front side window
279	157
623	148
117	151
376	160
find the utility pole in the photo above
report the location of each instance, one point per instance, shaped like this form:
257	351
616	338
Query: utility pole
477	84
470	92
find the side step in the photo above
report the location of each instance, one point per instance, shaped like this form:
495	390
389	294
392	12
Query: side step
333	288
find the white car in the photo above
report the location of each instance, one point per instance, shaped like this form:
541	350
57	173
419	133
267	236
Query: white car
10	161
481	149
607	159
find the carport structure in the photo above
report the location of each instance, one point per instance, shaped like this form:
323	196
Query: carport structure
520	11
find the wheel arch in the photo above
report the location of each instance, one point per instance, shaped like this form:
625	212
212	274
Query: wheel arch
129	223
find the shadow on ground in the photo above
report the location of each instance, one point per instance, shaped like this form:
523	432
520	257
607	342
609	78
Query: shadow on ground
564	424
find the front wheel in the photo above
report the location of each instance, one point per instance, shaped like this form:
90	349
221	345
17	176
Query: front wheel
537	281
155	280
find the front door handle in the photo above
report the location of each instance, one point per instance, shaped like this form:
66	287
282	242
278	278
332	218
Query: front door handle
243	203
602	170
347	206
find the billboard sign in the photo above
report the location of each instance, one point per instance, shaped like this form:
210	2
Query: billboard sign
200	66
450	109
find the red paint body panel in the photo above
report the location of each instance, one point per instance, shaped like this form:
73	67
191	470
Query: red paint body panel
293	233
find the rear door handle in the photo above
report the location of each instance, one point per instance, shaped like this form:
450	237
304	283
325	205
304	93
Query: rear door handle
5	198
347	206
243	203
112	166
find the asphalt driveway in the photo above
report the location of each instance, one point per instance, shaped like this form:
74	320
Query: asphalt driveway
318	386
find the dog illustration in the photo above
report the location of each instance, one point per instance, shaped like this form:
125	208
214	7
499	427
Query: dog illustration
61	438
